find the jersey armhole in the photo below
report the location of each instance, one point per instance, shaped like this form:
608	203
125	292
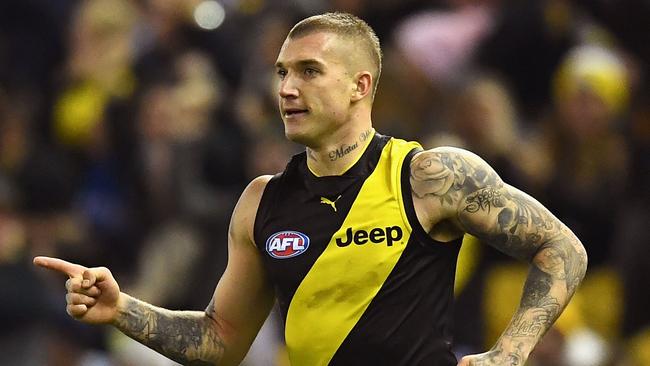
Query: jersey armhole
407	199
266	201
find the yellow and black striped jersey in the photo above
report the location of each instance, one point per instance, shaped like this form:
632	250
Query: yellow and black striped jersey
358	280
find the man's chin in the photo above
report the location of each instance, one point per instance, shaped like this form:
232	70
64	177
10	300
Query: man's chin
293	136
298	137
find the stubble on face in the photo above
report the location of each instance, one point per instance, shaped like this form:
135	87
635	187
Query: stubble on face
324	95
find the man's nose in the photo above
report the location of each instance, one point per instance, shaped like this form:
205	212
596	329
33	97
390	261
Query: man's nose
288	88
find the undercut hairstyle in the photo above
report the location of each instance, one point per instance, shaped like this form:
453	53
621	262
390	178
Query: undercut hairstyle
347	26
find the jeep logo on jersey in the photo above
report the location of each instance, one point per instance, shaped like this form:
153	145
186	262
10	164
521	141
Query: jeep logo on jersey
287	244
377	235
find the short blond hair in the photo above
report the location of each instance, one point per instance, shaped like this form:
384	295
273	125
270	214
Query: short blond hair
349	26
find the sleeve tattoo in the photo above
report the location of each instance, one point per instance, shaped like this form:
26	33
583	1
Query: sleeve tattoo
512	222
187	337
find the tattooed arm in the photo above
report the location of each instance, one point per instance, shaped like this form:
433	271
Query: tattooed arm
188	337
219	336
453	187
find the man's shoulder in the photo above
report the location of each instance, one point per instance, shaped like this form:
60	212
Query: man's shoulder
256	187
450	174
249	200
448	154
243	218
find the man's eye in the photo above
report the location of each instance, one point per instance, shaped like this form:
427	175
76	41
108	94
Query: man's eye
311	72
282	73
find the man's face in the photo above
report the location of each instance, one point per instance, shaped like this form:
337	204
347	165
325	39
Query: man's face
315	86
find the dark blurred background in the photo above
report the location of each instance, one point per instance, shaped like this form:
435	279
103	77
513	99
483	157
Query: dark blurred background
128	129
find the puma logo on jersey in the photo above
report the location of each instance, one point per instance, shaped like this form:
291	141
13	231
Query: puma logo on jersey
287	244
376	235
327	201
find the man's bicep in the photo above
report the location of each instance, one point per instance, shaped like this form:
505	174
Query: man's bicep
509	220
244	296
440	180
456	185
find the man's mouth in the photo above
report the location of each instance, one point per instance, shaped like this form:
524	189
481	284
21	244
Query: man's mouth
295	112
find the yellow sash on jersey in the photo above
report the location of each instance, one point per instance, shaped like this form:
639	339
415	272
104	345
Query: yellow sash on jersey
344	280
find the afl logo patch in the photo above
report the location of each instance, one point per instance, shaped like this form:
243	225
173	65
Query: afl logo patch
287	244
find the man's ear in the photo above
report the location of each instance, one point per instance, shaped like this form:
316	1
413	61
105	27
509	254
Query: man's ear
363	85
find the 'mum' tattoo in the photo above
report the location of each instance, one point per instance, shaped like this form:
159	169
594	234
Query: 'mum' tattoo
520	225
185	337
524	228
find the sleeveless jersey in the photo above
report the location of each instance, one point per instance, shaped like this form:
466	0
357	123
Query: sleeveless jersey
357	279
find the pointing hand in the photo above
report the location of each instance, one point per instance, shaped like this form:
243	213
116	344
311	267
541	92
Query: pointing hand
93	293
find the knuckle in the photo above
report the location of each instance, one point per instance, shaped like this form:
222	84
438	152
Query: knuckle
77	310
73	284
86	277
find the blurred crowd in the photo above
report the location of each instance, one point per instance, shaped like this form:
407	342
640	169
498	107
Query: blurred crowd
128	129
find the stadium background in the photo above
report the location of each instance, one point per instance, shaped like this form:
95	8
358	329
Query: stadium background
129	128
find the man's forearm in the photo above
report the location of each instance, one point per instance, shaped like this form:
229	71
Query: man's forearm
557	270
187	337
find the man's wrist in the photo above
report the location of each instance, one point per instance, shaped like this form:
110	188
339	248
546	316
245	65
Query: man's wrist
514	351
121	308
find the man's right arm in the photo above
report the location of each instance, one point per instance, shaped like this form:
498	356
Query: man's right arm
187	337
219	336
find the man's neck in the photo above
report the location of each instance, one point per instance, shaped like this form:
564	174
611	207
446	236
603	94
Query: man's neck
337	157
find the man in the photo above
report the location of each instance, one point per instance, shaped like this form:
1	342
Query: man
357	239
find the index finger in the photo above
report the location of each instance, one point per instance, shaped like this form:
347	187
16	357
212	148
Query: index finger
59	265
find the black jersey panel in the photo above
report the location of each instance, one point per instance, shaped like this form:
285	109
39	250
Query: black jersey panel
297	201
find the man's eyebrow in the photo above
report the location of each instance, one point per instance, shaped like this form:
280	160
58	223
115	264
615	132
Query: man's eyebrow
303	63
310	62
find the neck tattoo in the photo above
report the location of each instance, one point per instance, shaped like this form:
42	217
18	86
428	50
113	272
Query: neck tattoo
365	135
345	149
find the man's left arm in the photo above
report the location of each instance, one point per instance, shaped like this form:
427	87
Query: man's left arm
473	197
